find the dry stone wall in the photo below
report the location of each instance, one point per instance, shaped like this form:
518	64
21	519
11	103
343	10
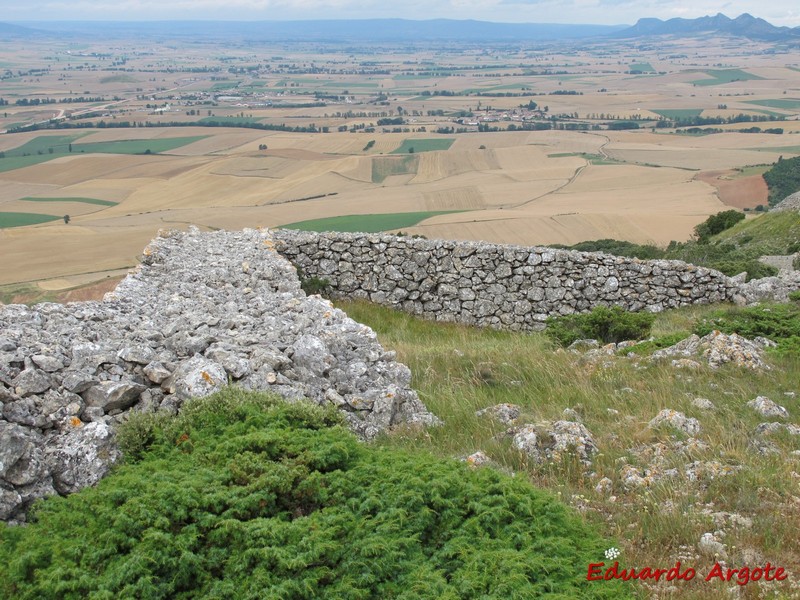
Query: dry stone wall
495	285
202	310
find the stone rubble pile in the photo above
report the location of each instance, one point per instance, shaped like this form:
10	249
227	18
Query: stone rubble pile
202	310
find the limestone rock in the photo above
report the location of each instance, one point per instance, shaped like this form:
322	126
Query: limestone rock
505	413
767	408
676	420
113	395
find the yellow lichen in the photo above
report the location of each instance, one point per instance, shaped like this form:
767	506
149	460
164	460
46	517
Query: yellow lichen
209	380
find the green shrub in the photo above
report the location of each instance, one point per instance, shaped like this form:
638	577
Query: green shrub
312	285
608	324
777	322
244	496
717	223
754	268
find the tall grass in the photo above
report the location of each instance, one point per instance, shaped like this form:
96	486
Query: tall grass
458	370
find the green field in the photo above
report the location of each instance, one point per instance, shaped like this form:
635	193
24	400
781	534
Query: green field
721	76
366	223
752	170
233	121
119	79
678	113
136	146
779	149
423	145
787	103
643	67
225	86
48	147
81	200
20	162
17	219
44	144
385	166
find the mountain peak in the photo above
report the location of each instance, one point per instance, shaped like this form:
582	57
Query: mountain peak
745	25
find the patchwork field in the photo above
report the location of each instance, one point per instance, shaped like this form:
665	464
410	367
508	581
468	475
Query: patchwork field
538	145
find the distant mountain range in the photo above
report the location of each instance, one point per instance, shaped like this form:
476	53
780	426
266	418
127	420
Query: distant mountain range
401	30
744	25
347	31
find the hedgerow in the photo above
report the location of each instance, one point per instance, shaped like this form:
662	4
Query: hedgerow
243	496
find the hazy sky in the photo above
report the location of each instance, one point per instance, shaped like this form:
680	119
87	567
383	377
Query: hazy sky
778	12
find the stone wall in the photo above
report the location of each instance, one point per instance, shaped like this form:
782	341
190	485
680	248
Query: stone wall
494	285
202	310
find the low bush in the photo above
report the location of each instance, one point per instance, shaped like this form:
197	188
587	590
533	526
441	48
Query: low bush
608	324
777	322
245	496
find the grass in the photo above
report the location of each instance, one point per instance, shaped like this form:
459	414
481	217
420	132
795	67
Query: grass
81	200
678	113
366	223
154	146
722	76
18	219
643	67
423	145
458	370
787	103
770	233
386	166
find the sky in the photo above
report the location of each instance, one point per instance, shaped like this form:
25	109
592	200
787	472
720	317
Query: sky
608	12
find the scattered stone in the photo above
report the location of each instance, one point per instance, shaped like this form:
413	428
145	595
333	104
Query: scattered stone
710	546
703	404
767	408
716	348
605	486
478	459
676	420
551	441
505	413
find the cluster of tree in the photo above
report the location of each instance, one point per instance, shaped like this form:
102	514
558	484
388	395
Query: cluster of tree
390	121
697	121
710	130
783	179
716	224
620	125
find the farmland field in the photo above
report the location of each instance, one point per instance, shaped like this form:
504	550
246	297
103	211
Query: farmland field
723	76
423	145
16	219
521	150
365	223
81	200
